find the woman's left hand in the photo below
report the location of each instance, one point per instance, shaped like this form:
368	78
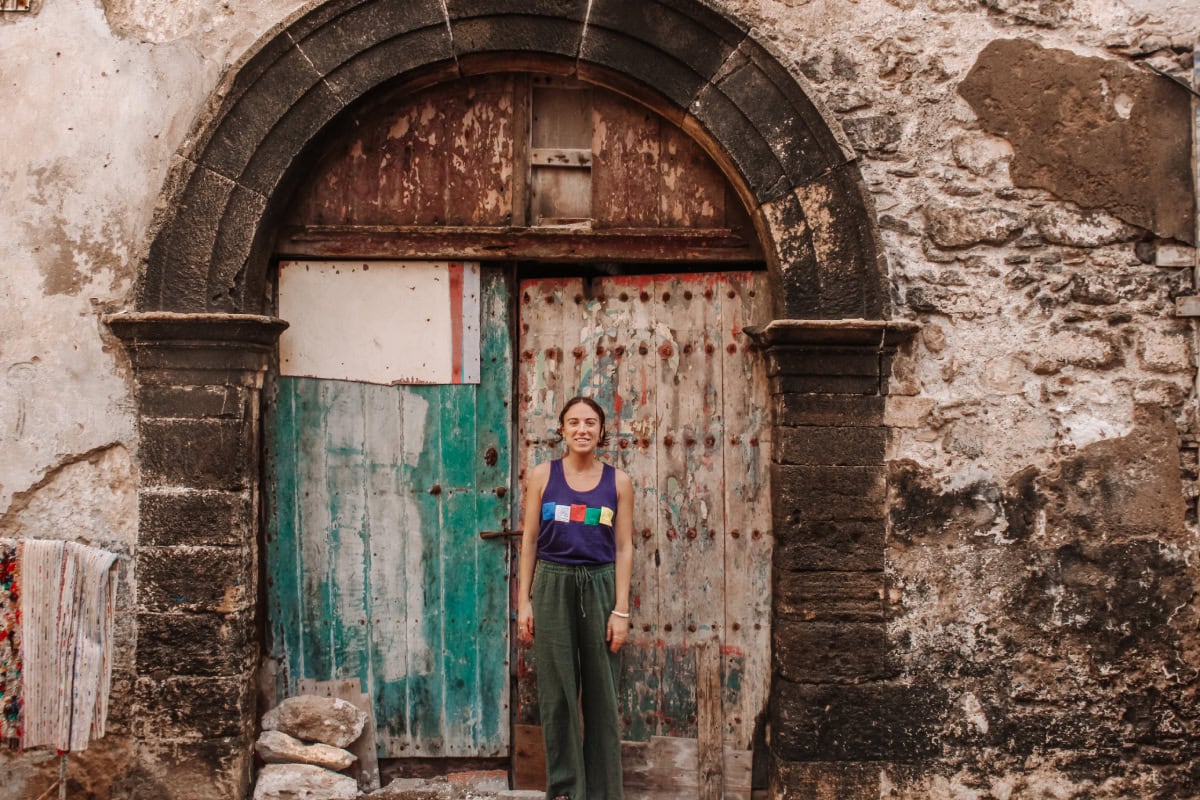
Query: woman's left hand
618	632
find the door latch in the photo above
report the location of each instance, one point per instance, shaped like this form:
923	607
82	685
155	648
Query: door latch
499	534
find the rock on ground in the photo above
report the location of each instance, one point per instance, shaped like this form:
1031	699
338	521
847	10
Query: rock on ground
327	720
303	782
277	747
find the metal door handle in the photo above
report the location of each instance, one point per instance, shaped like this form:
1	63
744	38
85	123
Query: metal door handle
498	534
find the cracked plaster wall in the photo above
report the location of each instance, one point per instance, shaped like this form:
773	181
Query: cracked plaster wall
1041	562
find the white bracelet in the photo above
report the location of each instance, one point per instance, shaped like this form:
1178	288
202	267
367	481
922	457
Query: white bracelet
622	614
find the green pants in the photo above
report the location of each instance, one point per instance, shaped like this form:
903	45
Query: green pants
574	666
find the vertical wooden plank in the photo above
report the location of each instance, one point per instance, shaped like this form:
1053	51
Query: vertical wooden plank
389	514
459	665
543	349
345	484
676	407
520	150
692	558
693	193
479	132
425	577
629	332
626	181
314	526
710	725
561	114
282	546
548	379
493	482
747	509
411	163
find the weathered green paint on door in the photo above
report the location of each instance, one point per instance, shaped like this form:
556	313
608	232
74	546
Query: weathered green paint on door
375	567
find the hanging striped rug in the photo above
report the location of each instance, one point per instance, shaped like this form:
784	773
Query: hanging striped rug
10	644
66	611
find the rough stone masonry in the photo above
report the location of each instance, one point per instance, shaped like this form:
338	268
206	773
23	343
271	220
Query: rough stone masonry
1028	629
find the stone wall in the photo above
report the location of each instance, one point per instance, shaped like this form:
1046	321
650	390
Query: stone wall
1030	182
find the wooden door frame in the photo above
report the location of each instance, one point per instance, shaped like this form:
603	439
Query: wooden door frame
199	343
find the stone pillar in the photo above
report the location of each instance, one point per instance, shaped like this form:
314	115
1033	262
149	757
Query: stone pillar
198	379
835	711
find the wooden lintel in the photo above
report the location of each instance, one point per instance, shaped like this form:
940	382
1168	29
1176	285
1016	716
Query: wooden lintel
542	244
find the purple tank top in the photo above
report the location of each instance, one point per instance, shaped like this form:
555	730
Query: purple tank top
577	527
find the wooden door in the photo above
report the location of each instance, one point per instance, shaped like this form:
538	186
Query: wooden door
687	398
375	567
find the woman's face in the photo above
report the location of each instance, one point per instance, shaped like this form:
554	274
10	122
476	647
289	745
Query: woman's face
581	428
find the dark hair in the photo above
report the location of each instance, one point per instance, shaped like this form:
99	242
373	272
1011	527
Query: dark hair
594	406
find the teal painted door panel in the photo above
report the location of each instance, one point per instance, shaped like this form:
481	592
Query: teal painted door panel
375	570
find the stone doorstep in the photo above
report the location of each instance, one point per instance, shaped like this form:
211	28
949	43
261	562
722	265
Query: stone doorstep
473	785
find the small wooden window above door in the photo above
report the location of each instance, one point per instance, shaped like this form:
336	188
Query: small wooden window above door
515	166
560	152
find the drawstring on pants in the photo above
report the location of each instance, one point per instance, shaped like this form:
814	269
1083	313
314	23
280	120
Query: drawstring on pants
583	577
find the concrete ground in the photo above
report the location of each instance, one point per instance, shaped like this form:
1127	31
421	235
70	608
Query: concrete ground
456	786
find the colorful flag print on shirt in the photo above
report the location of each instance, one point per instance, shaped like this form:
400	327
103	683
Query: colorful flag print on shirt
577	513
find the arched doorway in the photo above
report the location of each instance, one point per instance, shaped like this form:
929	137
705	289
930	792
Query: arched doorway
612	259
200	344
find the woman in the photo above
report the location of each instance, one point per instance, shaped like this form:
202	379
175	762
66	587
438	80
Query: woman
578	530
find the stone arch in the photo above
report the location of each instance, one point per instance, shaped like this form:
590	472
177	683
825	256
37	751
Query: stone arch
200	343
698	67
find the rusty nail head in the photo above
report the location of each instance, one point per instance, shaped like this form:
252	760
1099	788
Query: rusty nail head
578	299
435	489
643	349
549	352
577	352
687	295
599	349
624	297
708	294
666	351
645	442
645	533
731	349
667	627
620	351
666	296
691	533
644	296
668	440
710	440
687	349
501	491
691	628
623	444
710	348
735	533
756	534
549	299
754	441
646	627
737	626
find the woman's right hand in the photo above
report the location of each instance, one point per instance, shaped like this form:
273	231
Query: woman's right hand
525	623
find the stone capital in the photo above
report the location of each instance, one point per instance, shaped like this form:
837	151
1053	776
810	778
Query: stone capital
216	348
